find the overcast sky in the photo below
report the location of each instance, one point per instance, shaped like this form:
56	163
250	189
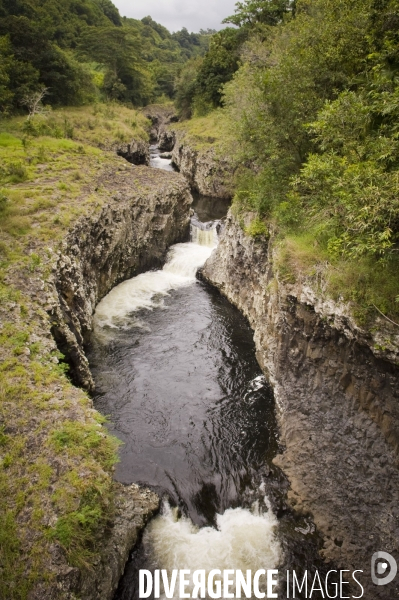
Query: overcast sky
175	14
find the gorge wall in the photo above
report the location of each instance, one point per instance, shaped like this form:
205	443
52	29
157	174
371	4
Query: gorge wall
206	171
336	389
147	210
131	234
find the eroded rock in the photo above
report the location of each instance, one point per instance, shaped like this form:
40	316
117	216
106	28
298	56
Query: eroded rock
129	235
207	172
137	152
166	141
161	116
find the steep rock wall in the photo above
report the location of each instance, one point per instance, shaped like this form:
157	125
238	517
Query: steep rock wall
137	152
161	116
131	234
206	172
337	403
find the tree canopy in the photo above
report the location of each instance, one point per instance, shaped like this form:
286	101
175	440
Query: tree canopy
314	106
250	12
83	49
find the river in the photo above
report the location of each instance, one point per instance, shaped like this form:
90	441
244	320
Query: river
176	373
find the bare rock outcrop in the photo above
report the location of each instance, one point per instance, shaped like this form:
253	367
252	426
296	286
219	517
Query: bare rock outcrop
166	141
137	152
161	116
206	171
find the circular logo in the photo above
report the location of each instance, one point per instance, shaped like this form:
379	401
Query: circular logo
383	568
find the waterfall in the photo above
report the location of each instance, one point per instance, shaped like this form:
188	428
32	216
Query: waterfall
148	290
243	539
204	234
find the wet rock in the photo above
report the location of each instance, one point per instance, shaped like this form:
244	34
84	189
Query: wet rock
336	397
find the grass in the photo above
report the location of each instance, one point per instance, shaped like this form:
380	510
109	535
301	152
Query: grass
55	456
205	132
365	283
99	125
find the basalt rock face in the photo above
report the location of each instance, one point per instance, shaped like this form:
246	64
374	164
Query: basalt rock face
337	395
137	152
134	507
166	141
129	235
207	173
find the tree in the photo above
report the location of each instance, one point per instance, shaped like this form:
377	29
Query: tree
6	60
219	65
250	12
110	11
117	50
186	87
33	103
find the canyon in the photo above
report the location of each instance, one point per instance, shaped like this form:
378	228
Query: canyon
335	382
336	396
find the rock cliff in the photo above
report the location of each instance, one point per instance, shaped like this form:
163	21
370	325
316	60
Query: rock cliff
337	394
137	152
131	234
207	173
142	212
161	116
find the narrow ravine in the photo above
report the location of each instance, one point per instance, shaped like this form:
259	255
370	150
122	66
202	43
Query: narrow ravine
158	160
176	373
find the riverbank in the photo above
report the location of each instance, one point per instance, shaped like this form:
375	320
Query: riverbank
336	391
75	220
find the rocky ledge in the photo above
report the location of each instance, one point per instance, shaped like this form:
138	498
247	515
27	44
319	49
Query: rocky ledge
147	212
206	171
161	117
137	152
337	403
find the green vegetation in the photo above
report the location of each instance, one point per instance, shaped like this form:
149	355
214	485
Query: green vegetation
199	85
79	51
205	132
312	104
55	457
199	88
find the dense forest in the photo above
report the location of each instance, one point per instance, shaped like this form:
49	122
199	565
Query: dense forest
310	91
83	50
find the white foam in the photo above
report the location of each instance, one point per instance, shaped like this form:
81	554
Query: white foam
243	540
161	163
148	289
205	236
